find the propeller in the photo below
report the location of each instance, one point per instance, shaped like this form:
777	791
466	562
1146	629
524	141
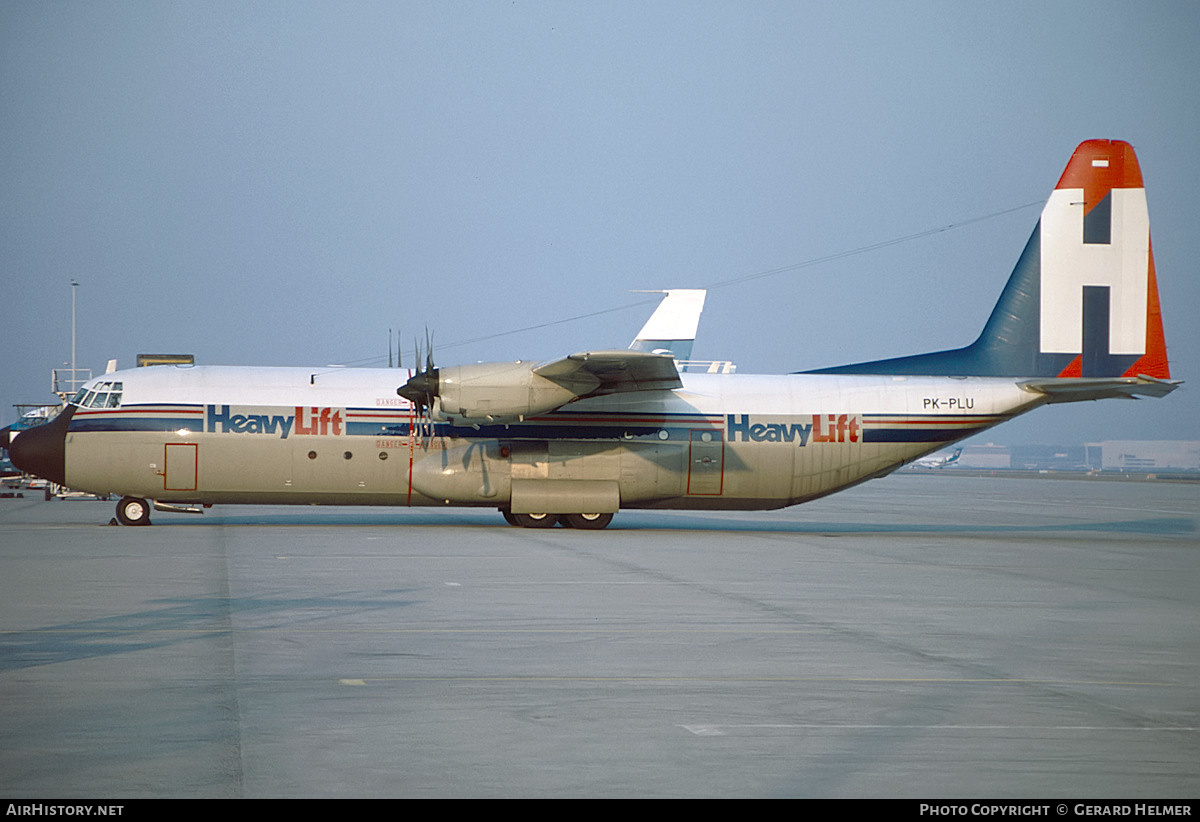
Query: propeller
422	387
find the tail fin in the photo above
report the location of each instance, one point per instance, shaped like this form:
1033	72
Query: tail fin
1082	300
672	326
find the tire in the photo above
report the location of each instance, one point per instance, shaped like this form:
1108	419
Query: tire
535	520
586	522
509	516
133	511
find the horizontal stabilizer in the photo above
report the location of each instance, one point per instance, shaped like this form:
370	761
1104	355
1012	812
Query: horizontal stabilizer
1076	389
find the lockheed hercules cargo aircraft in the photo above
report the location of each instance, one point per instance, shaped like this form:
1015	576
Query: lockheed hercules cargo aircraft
573	440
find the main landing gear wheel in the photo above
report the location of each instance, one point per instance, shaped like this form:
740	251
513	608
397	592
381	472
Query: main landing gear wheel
534	520
586	522
583	522
133	511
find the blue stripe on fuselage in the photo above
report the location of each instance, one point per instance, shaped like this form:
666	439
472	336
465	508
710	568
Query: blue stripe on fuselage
599	427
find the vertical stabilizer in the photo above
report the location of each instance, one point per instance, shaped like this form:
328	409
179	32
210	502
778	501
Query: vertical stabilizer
672	326
1082	300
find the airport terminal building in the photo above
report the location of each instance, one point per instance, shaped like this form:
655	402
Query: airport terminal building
1111	455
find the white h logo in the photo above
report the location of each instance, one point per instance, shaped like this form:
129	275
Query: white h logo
1068	264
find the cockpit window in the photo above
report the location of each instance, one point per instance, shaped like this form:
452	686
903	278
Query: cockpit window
102	395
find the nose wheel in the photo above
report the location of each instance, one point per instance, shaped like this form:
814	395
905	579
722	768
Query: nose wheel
133	511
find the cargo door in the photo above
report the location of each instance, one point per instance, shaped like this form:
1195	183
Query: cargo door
180	465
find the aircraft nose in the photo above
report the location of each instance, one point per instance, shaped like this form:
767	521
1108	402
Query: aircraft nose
41	450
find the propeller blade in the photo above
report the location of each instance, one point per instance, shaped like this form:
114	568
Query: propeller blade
422	389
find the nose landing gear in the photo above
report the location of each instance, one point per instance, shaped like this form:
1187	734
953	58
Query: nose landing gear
133	511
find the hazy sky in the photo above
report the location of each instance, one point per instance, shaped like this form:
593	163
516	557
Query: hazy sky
282	182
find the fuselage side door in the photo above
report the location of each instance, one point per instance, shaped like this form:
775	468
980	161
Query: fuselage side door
706	462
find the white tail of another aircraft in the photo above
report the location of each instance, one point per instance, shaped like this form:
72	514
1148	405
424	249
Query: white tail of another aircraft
672	326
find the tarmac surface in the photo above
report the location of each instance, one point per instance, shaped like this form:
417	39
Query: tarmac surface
918	636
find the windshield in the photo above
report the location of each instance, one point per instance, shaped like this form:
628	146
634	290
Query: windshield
100	395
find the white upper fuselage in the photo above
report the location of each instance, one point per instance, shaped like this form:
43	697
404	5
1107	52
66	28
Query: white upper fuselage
365	388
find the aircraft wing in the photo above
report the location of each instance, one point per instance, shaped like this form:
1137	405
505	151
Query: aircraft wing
612	372
1075	389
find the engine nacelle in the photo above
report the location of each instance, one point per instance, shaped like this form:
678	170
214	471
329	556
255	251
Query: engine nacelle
501	392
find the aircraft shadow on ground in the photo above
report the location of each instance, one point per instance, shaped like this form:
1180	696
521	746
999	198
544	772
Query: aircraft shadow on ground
677	521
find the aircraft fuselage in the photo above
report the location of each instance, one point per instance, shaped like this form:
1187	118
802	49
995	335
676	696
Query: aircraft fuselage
213	435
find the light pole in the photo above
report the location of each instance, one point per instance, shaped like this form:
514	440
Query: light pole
74	373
